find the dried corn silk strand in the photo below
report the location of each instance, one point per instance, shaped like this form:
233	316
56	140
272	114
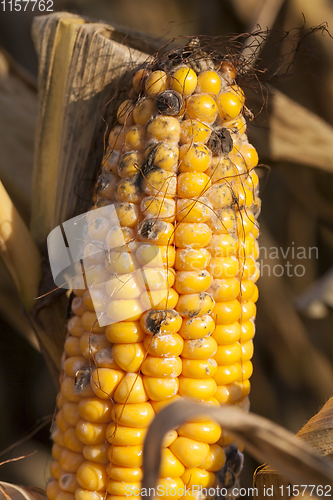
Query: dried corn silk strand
166	306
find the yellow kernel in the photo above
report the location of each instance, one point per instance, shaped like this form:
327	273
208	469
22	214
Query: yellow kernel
56	436
229	105
56	451
223	267
169	438
249	310
228	354
133	414
247	268
92	476
121	262
196	328
227	374
159	182
163	155
53	490
192	184
161	208
90	323
92	343
246	246
249	154
125	436
70	460
139	79
223	221
129	356
134	138
82	494
209	81
164	129
130	164
195	304
154	366
143	111
67	482
126	474
159	405
74	364
156	82
191	259
202	107
228	394
126	456
247	351
168	345
192	235
127	190
96	453
225	289
170	465
194	131
215	459
194	158
197	388
156	232
131	389
221	169
223	245
127	213
116	138
156	255
90	432
190	452
207	432
189	210
162	322
159	389
247	330
122	309
156	278
125	113
105	380
75	391
227	312
74	326
220	195
198	477
184	80
202	348
199	368
192	281
61	422
170	487
124	286
227	334
71	441
247	370
55	469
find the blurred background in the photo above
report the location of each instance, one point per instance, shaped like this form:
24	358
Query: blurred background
293	361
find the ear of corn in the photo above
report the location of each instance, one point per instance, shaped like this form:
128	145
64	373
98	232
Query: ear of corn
180	174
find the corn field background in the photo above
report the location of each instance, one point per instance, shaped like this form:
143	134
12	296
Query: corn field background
293	361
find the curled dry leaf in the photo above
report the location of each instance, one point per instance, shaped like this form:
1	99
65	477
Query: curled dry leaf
263	439
13	492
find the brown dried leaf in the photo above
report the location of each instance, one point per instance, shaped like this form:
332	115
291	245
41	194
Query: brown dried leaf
14	492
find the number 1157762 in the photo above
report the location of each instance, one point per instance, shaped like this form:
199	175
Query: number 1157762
26	5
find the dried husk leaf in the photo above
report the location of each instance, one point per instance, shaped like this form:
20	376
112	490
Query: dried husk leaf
10	491
264	440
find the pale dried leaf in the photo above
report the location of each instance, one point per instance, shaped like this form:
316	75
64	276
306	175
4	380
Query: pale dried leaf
263	439
14	492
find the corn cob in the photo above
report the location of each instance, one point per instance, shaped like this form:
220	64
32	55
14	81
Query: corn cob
180	172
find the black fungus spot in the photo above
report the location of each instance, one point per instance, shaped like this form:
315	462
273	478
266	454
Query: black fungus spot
154	320
169	103
220	142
